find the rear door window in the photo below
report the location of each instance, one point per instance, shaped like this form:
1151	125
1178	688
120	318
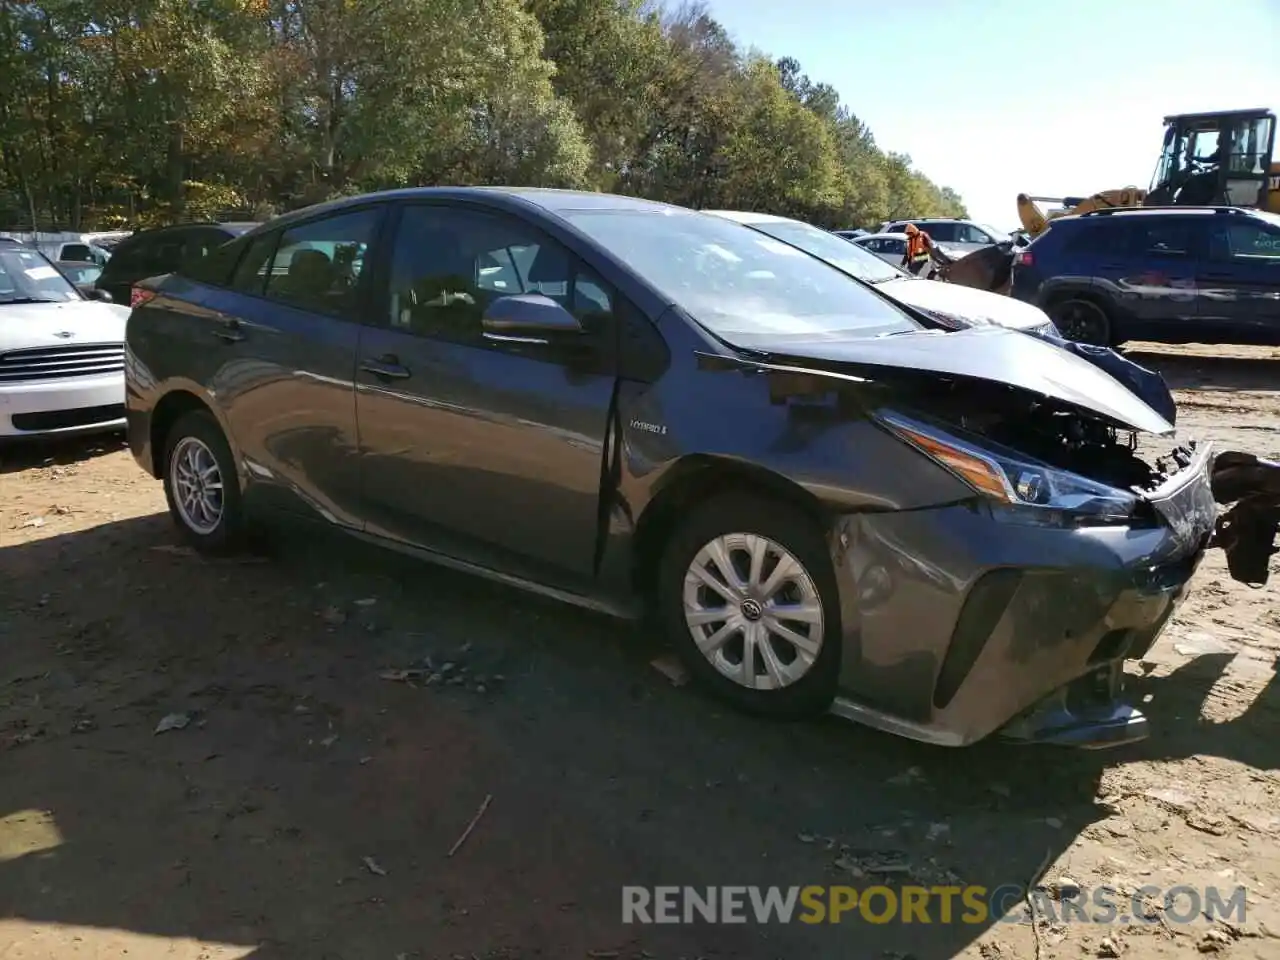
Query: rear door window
251	269
318	265
1162	236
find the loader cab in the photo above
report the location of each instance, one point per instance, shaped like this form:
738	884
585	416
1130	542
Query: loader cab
1215	158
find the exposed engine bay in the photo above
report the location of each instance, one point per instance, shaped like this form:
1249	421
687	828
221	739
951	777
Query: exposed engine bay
1055	435
1064	436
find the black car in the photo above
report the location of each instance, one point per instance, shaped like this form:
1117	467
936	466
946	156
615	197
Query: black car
629	405
1167	274
150	253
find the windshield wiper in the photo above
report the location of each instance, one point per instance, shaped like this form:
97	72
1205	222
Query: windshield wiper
30	300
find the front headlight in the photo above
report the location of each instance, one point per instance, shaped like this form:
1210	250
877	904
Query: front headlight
1020	488
1046	329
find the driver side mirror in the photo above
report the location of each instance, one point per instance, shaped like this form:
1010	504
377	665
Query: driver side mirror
93	293
527	318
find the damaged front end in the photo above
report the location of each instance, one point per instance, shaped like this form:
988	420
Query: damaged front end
1085	523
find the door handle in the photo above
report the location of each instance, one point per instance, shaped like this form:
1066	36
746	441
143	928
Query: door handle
387	366
230	331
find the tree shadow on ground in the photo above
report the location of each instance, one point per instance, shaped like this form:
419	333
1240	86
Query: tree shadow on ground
309	806
16	456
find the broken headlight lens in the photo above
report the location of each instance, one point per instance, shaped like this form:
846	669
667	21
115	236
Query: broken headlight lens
1035	492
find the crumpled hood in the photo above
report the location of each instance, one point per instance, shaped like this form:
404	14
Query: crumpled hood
965	302
24	326
985	353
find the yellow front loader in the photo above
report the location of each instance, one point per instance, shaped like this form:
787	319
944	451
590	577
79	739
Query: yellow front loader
1224	158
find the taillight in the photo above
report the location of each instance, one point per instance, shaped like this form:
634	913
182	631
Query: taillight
140	295
1023	258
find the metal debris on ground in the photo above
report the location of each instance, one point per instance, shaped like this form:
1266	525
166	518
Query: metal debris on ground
1062	888
35	522
670	667
471	826
372	866
173	721
1213	941
1108	949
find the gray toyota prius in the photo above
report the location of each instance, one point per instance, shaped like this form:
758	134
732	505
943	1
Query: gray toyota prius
826	500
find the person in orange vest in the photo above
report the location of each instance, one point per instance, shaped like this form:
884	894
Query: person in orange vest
919	250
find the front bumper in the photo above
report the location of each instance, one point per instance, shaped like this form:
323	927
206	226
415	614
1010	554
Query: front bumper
957	625
45	408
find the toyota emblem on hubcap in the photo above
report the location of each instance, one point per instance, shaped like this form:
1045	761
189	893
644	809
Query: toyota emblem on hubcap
751	609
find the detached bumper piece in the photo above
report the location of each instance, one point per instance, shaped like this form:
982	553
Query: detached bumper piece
1247	531
1087	713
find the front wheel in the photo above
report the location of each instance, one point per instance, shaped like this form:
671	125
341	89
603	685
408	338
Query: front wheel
1082	321
200	485
747	593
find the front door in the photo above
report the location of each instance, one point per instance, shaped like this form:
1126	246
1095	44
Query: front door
485	447
1240	278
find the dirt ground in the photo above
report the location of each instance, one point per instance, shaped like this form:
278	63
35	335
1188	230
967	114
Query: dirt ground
308	806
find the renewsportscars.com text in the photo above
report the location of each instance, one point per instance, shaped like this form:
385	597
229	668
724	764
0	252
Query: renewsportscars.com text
918	904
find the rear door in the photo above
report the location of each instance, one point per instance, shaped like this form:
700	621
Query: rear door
486	447
1146	266
281	346
1240	279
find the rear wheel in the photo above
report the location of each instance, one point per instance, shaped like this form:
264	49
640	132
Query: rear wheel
1082	321
747	594
200	484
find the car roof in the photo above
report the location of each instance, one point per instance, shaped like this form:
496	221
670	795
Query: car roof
234	227
892	235
1109	213
750	216
549	199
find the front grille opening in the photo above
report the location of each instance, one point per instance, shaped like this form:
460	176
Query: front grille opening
65	419
983	608
58	363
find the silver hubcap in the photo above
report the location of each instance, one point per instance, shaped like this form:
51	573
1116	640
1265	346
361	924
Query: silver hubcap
753	611
197	485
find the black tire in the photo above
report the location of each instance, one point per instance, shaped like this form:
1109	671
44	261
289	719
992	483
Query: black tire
809	694
1082	321
229	533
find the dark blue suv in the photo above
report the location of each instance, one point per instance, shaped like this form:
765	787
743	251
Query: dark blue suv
1167	274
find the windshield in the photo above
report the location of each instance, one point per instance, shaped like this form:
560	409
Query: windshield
738	283
835	250
999	236
26	276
